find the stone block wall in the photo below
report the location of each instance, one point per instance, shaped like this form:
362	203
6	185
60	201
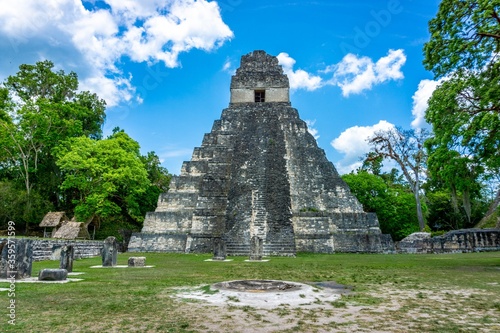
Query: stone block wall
360	242
314	243
158	242
50	249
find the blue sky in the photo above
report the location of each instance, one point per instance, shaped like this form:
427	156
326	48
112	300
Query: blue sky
164	67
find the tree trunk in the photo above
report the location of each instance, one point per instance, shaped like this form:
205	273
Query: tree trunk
454	199
28	203
467	204
420	215
28	215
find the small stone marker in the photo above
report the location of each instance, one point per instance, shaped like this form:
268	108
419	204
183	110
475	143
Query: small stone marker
136	261
256	248
67	254
109	252
16	256
219	249
52	274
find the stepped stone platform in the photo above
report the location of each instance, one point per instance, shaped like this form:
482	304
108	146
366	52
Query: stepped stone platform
259	173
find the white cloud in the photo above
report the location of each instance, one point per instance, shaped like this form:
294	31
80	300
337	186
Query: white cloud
420	99
299	79
112	90
353	143
313	131
226	66
354	75
95	41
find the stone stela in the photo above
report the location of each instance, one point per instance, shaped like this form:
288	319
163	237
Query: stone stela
109	252
16	258
219	249
259	175
256	248
66	260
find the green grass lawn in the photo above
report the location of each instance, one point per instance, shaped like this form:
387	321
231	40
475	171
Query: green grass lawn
392	293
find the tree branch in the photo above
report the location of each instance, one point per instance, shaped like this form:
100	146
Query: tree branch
487	34
495	16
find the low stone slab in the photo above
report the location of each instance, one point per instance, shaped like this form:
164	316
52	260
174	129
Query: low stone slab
136	261
53	274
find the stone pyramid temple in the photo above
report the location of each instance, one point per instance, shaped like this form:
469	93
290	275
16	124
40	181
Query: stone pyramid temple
259	178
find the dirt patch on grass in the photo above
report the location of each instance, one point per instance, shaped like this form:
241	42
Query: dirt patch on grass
302	296
385	308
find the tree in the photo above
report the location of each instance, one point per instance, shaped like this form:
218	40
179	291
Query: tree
40	108
464	34
157	175
106	177
406	148
373	163
393	203
464	110
14	204
459	172
160	180
52	155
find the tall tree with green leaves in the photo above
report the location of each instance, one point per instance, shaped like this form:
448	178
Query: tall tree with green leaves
107	177
14	204
464	110
458	171
465	34
394	203
406	148
39	108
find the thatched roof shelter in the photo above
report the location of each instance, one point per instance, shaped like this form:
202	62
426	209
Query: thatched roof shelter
72	230
53	219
